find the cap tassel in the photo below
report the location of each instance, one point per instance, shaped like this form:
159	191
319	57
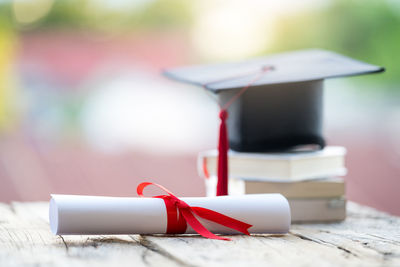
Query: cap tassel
223	146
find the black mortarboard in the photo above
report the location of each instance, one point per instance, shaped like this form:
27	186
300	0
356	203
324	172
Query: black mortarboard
283	107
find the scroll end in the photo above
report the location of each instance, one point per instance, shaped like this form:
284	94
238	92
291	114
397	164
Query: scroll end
53	216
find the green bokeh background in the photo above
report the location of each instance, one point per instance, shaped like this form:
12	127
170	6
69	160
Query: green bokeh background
368	30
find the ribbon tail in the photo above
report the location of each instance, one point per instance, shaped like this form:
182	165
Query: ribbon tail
223	145
222	219
198	227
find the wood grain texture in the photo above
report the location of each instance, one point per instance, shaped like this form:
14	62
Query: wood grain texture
366	238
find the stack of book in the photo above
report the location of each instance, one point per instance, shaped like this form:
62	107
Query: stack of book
311	181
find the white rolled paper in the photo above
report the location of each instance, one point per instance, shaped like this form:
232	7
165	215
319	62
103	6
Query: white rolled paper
69	214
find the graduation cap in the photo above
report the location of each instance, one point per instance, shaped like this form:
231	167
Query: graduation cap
274	102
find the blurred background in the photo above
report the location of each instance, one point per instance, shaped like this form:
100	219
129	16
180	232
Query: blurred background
84	109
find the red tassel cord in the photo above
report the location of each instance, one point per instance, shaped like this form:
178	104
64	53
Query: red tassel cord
223	143
223	146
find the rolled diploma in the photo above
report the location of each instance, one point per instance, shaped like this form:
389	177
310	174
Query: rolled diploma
85	215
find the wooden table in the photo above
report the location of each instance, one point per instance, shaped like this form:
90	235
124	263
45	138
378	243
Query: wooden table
366	238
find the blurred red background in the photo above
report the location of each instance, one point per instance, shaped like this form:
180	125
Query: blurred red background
85	110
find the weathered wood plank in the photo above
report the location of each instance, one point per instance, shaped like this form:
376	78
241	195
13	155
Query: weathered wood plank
25	240
367	237
368	234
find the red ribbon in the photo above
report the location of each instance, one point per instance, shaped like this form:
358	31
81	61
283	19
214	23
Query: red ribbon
179	214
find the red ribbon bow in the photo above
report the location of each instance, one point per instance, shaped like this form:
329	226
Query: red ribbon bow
179	213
